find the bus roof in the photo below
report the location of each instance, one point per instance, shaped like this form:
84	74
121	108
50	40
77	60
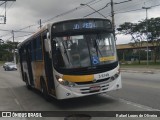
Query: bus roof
76	19
34	35
50	24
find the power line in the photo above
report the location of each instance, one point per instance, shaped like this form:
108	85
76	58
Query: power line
72	10
16	31
53	17
107	6
137	3
4	8
10	5
8	38
133	6
98	10
62	14
129	6
67	12
122	2
29	26
23	36
2	3
128	11
136	9
5	35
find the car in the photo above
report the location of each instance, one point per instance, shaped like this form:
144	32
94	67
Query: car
9	66
6	63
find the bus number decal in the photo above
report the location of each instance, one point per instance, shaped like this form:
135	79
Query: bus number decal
103	75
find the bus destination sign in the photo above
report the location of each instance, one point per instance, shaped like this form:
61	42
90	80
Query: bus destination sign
87	25
77	25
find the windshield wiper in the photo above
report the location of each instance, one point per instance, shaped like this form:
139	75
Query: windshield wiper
97	48
65	51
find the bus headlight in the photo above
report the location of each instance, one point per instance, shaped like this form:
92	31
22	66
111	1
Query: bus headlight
115	76
64	82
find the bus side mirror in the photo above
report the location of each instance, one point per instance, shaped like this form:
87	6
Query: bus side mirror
46	44
48	36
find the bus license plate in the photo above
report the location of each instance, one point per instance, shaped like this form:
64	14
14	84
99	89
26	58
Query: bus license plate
95	88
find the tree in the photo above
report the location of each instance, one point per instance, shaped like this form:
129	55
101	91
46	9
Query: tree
154	36
6	50
131	29
139	34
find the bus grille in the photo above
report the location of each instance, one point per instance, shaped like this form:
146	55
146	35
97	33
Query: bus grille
89	90
92	82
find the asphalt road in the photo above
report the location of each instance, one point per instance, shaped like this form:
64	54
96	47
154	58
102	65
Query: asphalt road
140	92
140	88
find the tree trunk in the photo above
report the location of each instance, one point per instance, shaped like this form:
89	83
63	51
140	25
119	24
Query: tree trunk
155	55
139	52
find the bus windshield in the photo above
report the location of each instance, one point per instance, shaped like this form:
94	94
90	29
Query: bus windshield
87	50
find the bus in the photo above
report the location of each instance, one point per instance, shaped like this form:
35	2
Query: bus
71	58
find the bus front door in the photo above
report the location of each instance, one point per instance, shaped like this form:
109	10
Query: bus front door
28	58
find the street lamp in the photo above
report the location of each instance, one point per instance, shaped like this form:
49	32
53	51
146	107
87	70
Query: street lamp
93	9
146	8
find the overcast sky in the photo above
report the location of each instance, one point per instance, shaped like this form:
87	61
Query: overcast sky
24	13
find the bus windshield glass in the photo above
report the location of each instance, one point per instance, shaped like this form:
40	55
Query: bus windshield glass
87	50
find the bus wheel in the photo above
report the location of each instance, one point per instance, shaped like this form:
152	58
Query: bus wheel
27	84
44	91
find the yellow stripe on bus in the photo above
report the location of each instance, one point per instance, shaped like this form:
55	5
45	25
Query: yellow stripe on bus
102	59
76	78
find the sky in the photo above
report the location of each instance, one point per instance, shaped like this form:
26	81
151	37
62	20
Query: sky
24	15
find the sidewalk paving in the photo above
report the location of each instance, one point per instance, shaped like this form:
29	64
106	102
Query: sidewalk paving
140	70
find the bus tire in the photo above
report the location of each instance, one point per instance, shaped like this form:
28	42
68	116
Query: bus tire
44	91
27	84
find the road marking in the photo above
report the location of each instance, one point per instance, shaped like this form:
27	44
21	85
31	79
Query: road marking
148	85
133	104
138	105
16	101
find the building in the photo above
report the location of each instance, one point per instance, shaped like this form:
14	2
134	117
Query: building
136	51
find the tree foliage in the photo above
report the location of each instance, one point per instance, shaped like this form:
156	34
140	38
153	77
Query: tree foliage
6	50
143	31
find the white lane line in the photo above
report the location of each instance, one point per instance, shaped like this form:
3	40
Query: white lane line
138	105
16	101
134	104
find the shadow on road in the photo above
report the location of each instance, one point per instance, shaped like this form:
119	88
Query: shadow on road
82	102
33	96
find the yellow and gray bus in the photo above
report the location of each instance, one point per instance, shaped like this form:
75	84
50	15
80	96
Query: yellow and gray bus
71	58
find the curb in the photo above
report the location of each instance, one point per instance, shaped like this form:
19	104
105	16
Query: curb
133	71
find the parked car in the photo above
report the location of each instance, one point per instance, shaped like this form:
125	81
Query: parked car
6	63
9	66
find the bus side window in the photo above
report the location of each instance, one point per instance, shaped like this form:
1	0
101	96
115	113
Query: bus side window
23	54
38	48
33	46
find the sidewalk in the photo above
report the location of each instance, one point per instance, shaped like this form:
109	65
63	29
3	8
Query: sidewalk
140	70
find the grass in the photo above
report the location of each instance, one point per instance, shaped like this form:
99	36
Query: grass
143	64
1	63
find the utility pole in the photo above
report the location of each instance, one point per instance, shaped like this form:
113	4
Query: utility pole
40	23
5	13
146	8
112	15
14	55
5	16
